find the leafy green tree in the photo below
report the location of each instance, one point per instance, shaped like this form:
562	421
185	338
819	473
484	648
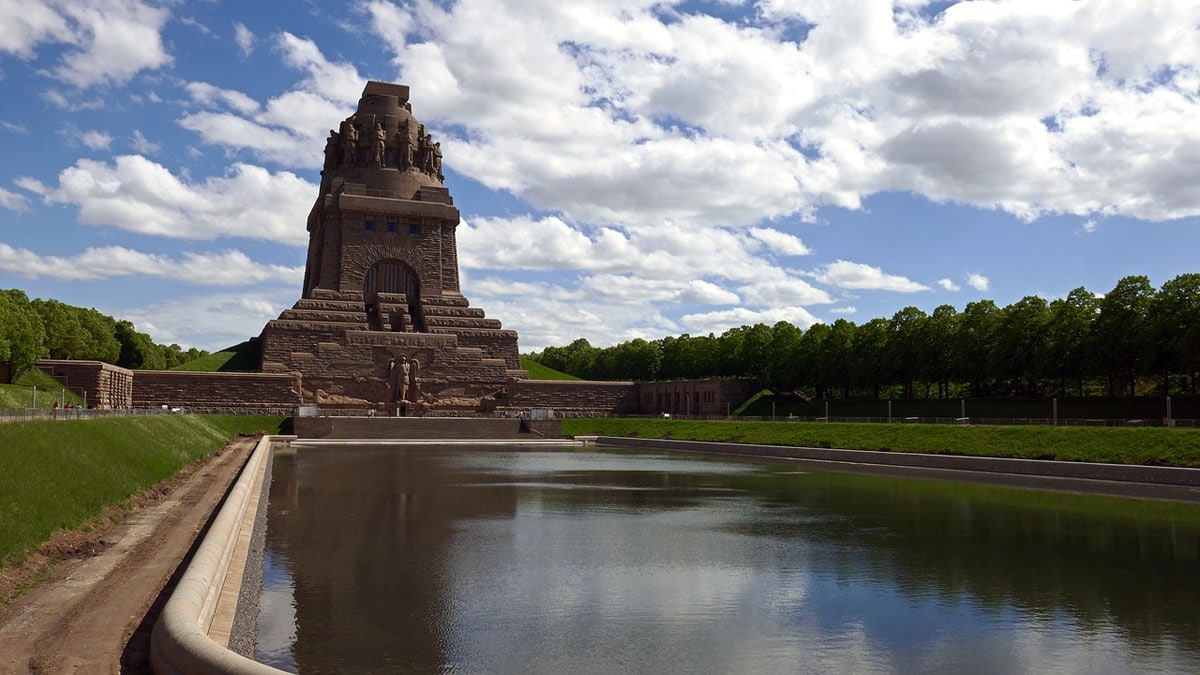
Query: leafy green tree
869	356
1174	319
754	351
635	360
781	357
101	341
137	350
937	351
906	331
1069	334
807	364
973	343
581	359
1121	333
22	337
1020	347
66	337
836	356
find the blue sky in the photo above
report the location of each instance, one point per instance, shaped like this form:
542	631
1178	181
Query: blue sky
624	168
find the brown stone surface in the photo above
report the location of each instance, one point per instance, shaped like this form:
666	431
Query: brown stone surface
102	384
381	282
408	428
217	392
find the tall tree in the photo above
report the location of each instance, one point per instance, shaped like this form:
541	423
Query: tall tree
808	371
906	331
1121	333
973	345
22	337
938	348
137	350
836	355
1069	331
869	356
781	357
1020	347
1175	329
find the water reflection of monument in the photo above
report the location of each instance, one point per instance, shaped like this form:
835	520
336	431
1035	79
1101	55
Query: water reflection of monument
367	533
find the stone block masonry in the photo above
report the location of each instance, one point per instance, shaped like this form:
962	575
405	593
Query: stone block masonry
101	384
264	393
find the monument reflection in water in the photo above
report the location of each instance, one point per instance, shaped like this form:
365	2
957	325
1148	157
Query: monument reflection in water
436	560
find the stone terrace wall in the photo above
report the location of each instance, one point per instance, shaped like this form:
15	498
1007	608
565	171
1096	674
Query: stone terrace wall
576	397
275	393
100	383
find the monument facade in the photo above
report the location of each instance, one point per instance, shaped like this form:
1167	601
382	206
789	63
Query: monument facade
381	319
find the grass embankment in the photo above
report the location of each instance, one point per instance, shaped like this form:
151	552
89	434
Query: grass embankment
1156	446
49	390
539	372
240	358
60	475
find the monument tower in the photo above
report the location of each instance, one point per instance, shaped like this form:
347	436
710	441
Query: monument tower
381	319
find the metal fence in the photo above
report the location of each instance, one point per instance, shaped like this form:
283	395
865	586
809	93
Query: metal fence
971	421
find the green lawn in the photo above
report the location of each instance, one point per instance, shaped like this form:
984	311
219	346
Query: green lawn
60	474
1149	445
242	357
49	390
539	372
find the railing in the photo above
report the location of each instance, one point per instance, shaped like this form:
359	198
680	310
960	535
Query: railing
64	414
962	421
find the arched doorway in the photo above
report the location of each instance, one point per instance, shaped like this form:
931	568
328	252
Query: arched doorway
393	276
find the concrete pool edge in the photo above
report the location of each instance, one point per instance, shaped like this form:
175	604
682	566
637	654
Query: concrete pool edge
1119	480
181	643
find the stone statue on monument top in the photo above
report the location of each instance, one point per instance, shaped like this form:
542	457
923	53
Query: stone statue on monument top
350	141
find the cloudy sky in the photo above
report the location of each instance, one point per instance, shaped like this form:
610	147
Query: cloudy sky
625	168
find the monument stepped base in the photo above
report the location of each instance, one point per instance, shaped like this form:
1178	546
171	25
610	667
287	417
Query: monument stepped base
431	428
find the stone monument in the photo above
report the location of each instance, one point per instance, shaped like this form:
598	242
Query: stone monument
381	321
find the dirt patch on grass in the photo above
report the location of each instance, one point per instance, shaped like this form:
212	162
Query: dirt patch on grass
88	540
85	600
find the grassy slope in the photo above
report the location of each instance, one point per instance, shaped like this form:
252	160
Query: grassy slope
242	357
20	394
1175	447
539	372
59	475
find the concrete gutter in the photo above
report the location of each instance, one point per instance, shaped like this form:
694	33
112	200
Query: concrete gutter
1130	480
180	644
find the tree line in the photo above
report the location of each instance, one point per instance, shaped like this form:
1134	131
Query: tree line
36	329
1133	339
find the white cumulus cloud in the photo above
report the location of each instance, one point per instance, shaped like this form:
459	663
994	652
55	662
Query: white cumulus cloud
136	194
108	41
221	268
978	281
845	274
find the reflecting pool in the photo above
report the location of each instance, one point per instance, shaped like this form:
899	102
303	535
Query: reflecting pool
423	559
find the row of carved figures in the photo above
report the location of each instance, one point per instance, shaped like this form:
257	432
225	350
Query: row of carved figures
342	148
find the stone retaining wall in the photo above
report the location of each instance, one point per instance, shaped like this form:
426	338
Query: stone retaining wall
576	397
99	383
276	393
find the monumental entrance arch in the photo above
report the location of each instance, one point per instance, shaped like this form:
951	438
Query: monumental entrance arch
381	283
